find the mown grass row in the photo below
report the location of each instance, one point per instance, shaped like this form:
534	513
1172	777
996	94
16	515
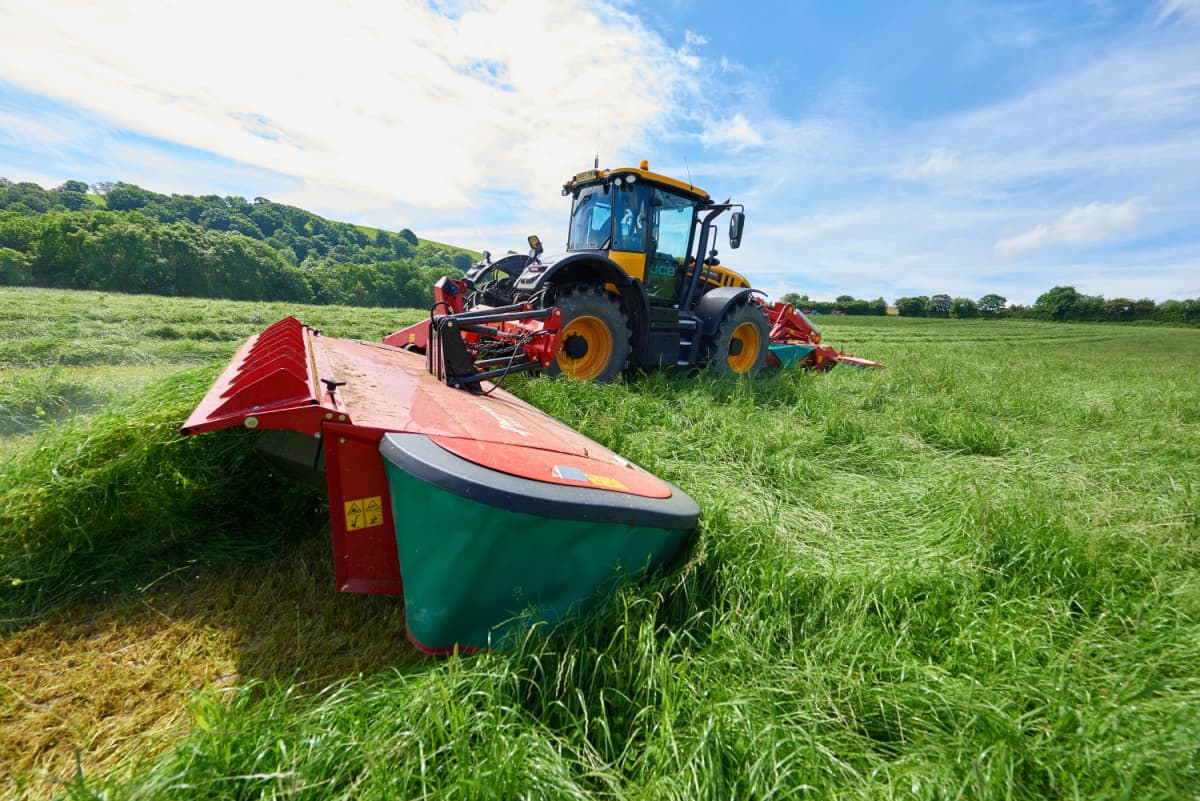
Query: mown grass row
971	575
118	500
112	497
43	328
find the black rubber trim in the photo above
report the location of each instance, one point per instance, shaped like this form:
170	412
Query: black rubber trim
549	269
427	461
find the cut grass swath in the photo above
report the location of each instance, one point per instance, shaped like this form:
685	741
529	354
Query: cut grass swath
28	401
113	502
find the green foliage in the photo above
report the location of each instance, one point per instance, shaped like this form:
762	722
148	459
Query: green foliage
72	195
127	197
15	268
845	304
912	307
140	241
938	306
970	575
1058	303
24	197
131	253
963	308
1064	303
992	304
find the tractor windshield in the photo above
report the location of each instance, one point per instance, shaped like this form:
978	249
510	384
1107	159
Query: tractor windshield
591	219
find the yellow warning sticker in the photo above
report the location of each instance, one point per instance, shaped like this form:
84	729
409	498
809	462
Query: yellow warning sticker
605	481
364	513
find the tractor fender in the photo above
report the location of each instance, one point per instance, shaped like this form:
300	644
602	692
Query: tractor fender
583	267
512	266
592	267
714	304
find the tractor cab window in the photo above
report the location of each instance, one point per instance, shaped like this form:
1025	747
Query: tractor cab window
670	234
591	219
632	216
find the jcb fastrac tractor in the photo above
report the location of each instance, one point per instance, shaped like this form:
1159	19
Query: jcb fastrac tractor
640	284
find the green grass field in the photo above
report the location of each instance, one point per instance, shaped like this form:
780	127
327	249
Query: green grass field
975	574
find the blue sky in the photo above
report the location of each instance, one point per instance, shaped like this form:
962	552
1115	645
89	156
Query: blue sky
881	149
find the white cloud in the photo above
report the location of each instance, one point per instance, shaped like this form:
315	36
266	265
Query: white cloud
734	132
18	174
694	39
939	163
806	229
392	101
1177	9
16	129
1091	223
1027	38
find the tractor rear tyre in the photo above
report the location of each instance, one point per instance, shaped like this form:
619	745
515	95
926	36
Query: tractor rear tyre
741	342
595	342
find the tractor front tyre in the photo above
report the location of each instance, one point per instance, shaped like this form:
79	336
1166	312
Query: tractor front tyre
595	338
741	342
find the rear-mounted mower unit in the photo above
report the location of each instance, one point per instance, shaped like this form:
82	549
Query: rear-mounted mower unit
476	507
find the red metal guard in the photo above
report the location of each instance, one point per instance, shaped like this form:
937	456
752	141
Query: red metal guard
274	381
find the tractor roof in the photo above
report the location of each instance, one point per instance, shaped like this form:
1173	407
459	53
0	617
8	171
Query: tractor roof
643	174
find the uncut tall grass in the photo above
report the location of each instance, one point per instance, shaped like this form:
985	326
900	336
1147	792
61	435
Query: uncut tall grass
971	575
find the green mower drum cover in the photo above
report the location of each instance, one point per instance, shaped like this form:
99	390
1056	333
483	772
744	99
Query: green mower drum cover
481	551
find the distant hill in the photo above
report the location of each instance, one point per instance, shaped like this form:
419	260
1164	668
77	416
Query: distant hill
121	237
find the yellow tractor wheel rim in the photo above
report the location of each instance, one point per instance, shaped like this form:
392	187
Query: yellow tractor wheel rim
599	348
748	335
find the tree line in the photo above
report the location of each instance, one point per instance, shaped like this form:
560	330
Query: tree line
1062	304
120	237
845	304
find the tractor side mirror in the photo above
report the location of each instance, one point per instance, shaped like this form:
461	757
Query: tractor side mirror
736	223
535	246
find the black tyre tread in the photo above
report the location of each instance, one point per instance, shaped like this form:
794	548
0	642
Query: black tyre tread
719	348
579	299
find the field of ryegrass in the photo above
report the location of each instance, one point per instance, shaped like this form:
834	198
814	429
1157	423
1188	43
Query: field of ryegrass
975	574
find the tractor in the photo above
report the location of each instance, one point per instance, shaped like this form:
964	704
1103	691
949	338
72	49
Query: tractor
640	283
